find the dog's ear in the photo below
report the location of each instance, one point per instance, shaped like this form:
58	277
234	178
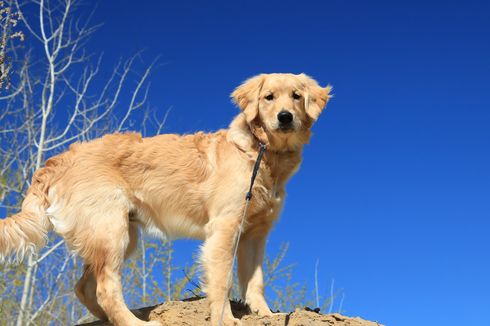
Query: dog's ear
246	96
316	97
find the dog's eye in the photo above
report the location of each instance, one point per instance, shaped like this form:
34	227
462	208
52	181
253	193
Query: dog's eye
296	96
269	97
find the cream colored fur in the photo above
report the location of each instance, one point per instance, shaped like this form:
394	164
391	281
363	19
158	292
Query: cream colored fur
96	195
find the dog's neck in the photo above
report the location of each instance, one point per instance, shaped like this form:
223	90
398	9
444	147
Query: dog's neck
280	164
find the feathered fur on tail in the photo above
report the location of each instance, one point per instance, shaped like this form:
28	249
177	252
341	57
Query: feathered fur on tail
27	230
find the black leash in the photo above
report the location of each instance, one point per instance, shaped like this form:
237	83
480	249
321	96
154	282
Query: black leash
248	197
255	170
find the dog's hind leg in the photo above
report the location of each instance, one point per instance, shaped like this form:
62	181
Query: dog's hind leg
86	287
109	244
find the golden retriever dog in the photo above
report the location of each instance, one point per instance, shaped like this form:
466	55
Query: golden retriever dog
97	194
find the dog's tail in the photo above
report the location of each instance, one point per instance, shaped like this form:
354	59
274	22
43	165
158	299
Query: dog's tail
27	231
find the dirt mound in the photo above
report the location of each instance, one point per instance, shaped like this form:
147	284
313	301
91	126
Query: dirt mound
195	312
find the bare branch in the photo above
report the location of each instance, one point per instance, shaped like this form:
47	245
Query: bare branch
133	105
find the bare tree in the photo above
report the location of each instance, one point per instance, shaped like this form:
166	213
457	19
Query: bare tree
56	98
8	22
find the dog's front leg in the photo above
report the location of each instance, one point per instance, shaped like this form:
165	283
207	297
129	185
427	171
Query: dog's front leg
217	257
250	273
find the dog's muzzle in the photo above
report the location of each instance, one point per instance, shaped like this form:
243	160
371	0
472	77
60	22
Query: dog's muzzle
285	119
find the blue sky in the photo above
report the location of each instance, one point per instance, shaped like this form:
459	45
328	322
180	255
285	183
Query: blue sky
393	195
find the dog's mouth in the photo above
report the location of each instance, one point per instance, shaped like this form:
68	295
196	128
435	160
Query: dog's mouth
286	128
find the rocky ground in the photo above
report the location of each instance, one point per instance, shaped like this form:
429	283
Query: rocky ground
195	312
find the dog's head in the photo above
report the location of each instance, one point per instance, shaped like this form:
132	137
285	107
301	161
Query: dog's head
281	107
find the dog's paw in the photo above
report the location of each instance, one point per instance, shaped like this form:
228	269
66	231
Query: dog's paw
259	307
231	321
261	310
228	320
153	323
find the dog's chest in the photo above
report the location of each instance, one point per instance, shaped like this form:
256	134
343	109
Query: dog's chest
269	191
267	199
275	200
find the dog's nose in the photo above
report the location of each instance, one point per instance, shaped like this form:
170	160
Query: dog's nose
285	117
